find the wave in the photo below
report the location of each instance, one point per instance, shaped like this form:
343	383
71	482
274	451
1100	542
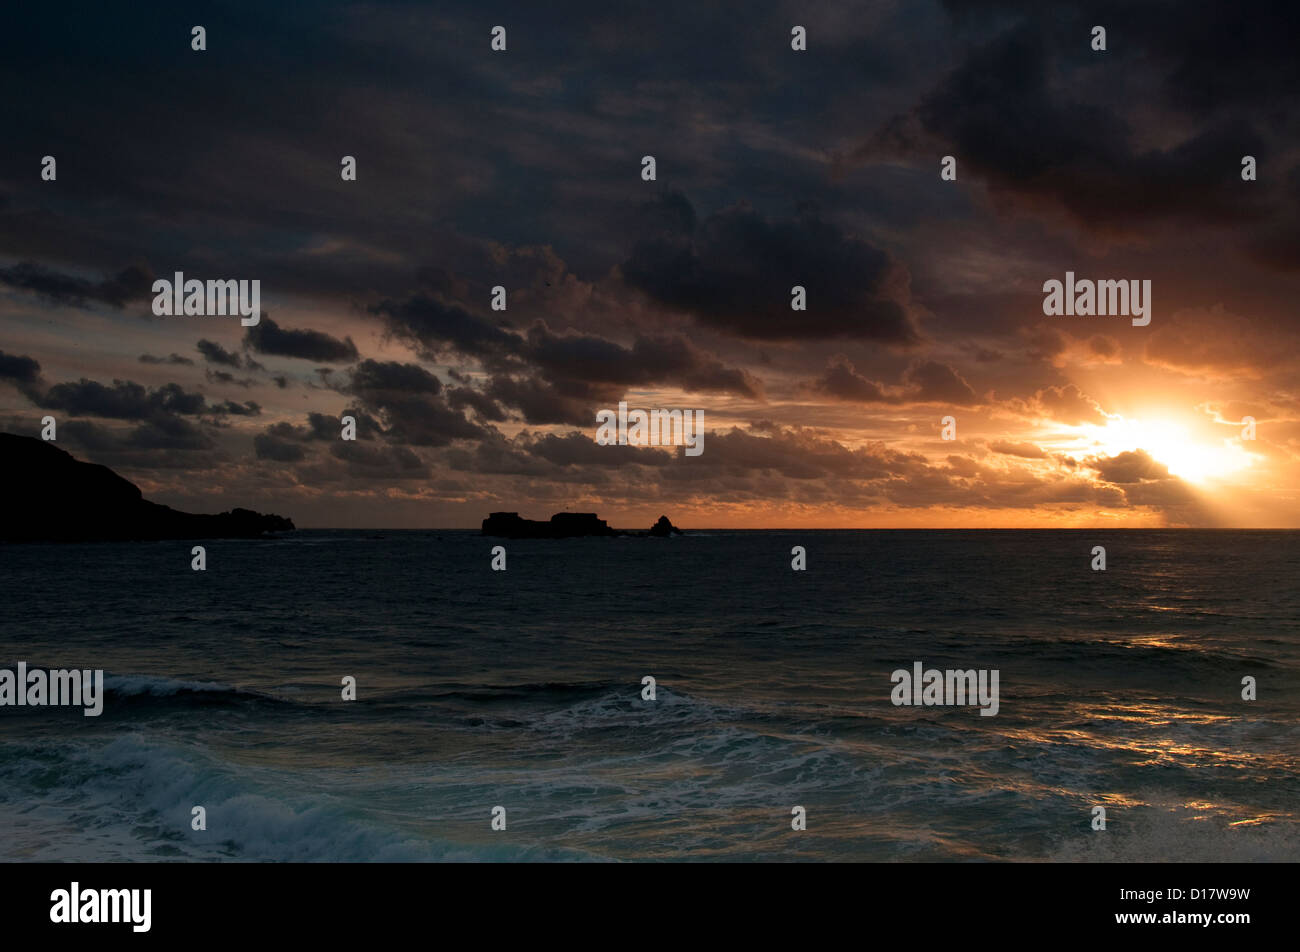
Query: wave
142	689
1164	831
132	799
127	685
538	691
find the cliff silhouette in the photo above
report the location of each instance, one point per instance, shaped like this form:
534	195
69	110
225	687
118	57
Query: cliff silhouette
46	495
564	525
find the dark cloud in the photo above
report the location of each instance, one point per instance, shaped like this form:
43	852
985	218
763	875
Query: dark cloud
488	409
169	433
1147	482
160	412
1129	467
924	381
580	449
930	381
556	378
160	443
841	381
436	327
650	360
320	428
19	369
267	446
129	284
330	428
1067	404
1024	450
734	272
214	353
408	402
230	408
1010	120
124	400
284	442
368	461
501	457
221	376
268	337
169	359
375	376
1256	70
541	402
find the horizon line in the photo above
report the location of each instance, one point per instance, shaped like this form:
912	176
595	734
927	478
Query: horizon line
848	529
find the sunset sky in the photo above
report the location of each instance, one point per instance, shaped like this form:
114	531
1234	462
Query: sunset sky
775	168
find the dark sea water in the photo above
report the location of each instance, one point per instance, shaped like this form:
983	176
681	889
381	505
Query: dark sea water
523	689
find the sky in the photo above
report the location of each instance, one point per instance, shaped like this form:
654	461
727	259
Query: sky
774	168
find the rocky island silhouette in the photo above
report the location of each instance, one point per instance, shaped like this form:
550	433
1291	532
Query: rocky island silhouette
566	525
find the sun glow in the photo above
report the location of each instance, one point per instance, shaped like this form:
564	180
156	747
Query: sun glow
1170	443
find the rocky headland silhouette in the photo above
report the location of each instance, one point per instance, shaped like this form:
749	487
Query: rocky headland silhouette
47	495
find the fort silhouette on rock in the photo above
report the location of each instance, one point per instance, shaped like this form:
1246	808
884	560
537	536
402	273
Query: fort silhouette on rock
566	525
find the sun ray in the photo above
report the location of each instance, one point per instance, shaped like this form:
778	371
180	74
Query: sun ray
1172	444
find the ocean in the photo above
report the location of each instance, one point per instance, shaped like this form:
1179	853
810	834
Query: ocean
523	689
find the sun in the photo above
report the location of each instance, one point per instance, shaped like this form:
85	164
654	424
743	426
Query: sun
1173	444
